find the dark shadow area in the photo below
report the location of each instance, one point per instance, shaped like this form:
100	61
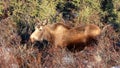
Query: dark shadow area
80	46
39	45
68	10
76	47
118	43
110	17
117	47
44	45
24	38
107	5
24	30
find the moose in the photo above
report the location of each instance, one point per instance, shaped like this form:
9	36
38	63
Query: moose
62	35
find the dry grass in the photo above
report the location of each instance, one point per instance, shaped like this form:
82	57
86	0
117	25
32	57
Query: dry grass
13	54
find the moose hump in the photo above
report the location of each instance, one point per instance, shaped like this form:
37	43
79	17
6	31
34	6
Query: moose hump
62	35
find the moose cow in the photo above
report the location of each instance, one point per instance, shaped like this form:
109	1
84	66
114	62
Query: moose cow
62	35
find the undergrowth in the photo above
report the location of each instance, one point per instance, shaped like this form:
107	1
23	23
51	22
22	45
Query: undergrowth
104	54
17	21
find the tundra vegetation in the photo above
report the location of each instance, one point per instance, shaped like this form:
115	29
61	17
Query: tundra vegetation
19	17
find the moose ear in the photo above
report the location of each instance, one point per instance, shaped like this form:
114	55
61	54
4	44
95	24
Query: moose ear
45	22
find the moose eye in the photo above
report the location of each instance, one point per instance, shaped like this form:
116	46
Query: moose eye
40	28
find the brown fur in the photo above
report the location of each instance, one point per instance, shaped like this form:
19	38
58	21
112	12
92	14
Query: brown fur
62	35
